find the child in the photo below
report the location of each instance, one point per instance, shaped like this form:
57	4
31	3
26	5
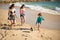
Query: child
22	13
11	14
39	20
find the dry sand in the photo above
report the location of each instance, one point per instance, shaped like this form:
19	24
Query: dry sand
44	34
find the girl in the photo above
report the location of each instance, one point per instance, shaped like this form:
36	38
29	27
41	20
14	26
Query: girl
11	14
22	11
39	20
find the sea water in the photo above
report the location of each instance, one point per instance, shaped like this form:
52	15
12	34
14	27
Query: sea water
49	5
44	6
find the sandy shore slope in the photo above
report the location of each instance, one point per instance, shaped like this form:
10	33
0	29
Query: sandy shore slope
44	34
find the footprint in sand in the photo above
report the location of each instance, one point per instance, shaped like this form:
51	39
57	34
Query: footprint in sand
50	38
1	36
25	38
5	33
5	24
46	36
24	35
41	35
14	34
1	24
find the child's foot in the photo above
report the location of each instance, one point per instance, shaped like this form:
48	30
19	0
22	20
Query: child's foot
38	30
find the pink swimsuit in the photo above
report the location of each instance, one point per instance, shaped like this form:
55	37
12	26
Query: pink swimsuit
22	11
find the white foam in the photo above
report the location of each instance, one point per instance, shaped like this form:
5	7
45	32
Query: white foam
42	9
57	9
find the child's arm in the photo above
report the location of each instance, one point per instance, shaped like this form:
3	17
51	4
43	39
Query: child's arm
9	12
42	18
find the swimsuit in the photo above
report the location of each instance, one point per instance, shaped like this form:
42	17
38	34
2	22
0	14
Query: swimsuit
22	13
39	20
11	16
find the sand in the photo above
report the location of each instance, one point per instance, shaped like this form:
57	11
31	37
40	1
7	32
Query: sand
44	34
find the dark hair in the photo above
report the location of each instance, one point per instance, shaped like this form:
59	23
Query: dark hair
11	6
22	6
39	14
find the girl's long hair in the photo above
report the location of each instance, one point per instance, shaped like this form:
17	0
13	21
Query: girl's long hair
22	6
11	6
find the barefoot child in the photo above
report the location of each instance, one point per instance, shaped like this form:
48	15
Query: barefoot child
22	13
39	20
11	14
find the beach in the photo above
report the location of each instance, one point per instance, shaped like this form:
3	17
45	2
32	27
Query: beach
50	28
51	21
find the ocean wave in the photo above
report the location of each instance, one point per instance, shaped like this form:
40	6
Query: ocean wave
42	9
57	9
38	8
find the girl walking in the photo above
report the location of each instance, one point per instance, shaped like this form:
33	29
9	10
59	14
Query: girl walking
11	15
39	20
22	13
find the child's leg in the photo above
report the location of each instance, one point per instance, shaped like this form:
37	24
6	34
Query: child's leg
21	20
38	26
11	23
